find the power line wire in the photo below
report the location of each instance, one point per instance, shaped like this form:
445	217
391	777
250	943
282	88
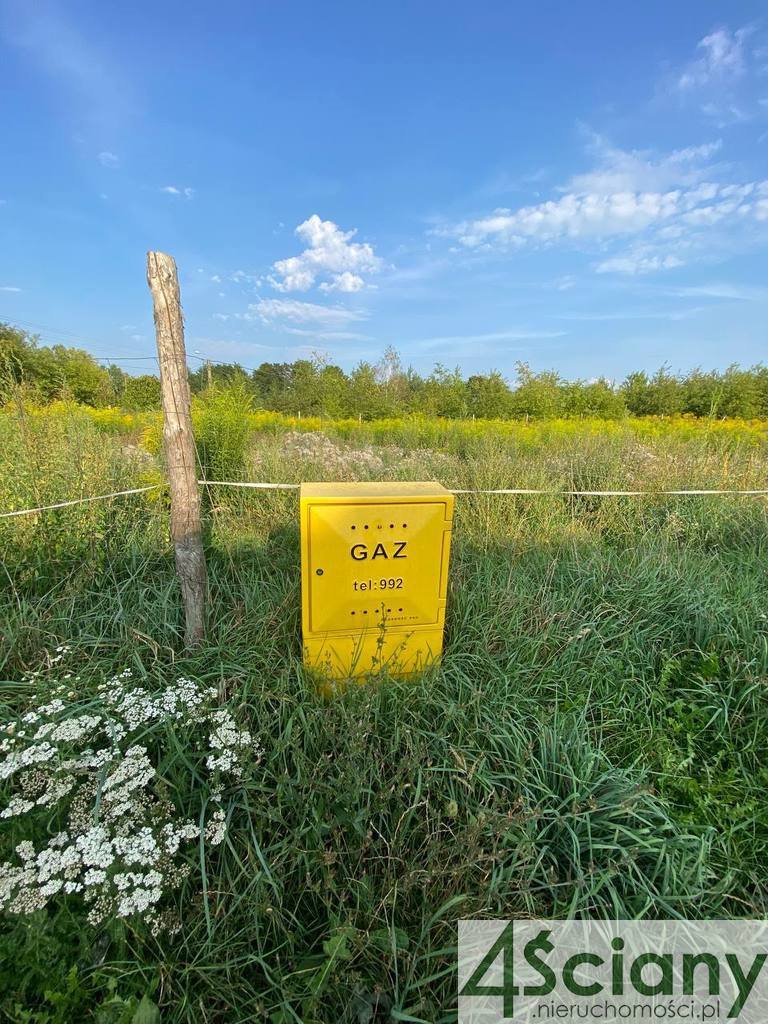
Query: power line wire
110	359
125	359
41	327
223	362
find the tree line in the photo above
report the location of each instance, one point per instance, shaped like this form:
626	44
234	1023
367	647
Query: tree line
314	387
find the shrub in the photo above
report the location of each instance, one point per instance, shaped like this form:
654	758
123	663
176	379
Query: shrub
222	430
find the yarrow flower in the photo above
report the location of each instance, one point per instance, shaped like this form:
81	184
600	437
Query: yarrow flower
97	773
216	829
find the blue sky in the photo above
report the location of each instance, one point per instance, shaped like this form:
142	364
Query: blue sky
580	186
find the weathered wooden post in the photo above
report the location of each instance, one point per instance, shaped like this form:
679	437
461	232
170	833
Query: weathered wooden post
179	443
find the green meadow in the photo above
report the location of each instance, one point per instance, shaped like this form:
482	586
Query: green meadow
592	742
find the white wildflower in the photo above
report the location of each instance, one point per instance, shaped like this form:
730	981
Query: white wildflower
121	845
25	850
51	887
216	829
51	862
17	805
54	708
140	848
25	758
55	790
95	847
174	834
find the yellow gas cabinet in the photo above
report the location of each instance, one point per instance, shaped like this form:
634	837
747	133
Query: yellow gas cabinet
374	576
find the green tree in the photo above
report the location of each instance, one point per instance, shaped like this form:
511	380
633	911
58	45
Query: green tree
395	384
81	376
489	396
18	354
445	393
117	379
760	373
636	392
661	395
702	393
142	393
56	372
334	392
316	387
537	394
270	383
666	393
365	399
304	388
741	395
219	374
592	398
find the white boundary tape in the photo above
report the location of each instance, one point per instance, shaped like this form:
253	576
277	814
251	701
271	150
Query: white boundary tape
505	490
294	487
77	501
600	494
243	483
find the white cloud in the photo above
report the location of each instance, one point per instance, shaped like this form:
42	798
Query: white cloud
722	58
9	288
293	311
639	170
723	290
725	114
723	79
346	282
675	314
572	216
241	277
667	207
328	335
636	263
107	159
330	256
304	319
172	190
479	339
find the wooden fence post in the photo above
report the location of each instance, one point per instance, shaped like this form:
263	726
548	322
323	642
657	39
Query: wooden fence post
179	443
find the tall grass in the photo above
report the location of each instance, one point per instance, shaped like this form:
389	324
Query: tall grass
591	744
